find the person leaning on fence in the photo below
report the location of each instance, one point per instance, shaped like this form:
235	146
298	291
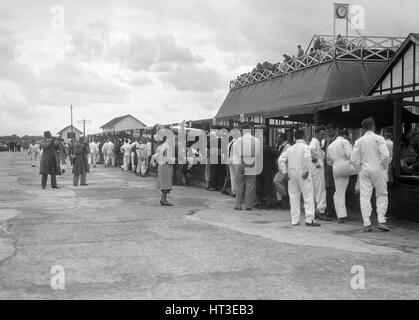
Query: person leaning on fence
295	163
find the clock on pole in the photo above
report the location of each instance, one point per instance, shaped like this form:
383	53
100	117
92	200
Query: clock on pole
340	12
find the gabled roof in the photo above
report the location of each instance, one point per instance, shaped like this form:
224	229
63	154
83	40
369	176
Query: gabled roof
412	38
321	84
116	120
69	127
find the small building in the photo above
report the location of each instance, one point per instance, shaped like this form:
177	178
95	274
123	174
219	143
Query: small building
66	135
124	123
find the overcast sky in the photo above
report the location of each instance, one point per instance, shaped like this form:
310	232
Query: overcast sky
163	61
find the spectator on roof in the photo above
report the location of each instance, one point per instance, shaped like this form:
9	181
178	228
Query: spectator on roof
287	58
317	44
300	51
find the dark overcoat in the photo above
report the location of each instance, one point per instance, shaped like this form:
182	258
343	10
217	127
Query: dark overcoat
81	164
50	163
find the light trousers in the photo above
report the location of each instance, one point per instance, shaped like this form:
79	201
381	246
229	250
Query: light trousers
339	198
245	189
109	159
92	158
234	168
142	166
297	186
368	181
319	187
127	159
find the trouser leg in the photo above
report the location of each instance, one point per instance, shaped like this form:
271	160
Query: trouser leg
132	161
83	178
250	191
53	181
380	185
233	177
306	186
113	160
339	197
295	198
44	180
366	189
319	188
76	180
94	159
240	185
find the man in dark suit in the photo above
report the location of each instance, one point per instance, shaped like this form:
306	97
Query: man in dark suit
50	164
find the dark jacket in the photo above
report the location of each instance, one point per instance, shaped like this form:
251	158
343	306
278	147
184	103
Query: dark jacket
81	164
50	163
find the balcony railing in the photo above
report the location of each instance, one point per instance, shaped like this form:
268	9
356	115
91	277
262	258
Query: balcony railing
331	48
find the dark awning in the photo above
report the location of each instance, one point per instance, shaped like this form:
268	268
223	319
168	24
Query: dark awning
303	91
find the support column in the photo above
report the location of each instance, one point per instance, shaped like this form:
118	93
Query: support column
397	133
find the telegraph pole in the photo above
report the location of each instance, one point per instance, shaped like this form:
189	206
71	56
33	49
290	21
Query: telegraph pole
84	121
71	112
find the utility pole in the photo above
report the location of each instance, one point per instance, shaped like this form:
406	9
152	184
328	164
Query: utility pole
84	122
71	112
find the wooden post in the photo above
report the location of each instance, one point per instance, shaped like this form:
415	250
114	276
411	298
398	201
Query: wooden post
397	130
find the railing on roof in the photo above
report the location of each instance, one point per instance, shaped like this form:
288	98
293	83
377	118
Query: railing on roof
348	48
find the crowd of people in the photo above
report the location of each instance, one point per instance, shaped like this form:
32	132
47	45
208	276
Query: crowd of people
319	170
320	45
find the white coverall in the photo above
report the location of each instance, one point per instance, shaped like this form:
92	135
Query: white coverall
295	162
108	150
338	154
33	151
126	150
232	167
317	174
94	150
371	152
142	159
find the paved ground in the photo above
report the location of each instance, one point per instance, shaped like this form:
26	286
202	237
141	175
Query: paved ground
114	241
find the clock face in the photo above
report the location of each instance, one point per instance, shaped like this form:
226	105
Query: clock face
341	12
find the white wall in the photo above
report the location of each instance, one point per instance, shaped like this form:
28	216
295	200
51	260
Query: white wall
64	134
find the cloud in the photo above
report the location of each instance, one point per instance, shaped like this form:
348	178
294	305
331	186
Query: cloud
138	52
193	78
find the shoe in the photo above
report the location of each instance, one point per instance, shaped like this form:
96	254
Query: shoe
233	195
323	217
248	209
295	224
55	188
368	228
43	188
212	189
312	224
94	166
341	220
383	227
166	204
62	171
84	185
238	209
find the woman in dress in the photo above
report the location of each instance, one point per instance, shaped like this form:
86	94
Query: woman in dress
165	160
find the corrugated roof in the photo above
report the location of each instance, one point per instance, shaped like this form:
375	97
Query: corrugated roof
117	119
325	83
